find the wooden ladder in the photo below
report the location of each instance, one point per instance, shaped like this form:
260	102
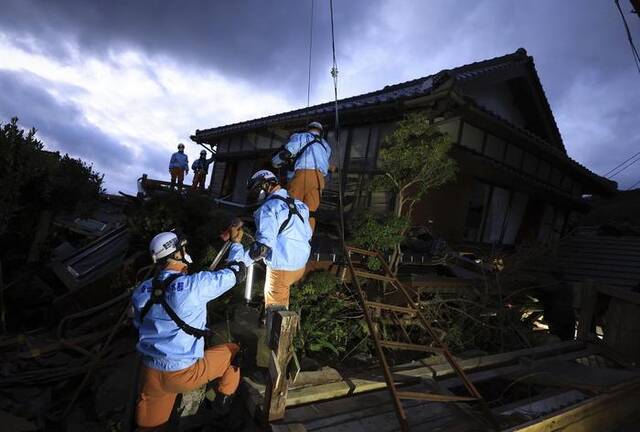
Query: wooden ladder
438	346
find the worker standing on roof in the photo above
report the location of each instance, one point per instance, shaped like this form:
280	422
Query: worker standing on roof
307	154
200	169
170	314
178	167
282	239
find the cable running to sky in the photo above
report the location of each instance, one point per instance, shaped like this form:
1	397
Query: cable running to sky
634	50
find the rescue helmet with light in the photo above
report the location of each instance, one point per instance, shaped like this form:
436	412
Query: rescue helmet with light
315	125
261	180
165	245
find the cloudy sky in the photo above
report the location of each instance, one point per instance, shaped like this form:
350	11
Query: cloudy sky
120	83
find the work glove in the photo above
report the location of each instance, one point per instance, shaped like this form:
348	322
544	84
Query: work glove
235	234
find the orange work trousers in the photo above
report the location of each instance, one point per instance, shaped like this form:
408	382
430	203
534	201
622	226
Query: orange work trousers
306	186
176	174
198	181
277	285
158	389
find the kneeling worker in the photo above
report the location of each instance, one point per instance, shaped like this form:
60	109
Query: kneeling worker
282	238
308	154
170	314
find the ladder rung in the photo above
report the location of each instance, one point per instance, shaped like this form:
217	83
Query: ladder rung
409	347
435	397
373	276
394	308
360	251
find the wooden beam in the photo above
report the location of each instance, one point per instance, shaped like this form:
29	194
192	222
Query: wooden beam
283	329
588	297
600	413
353	385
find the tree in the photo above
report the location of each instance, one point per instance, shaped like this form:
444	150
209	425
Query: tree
415	160
36	182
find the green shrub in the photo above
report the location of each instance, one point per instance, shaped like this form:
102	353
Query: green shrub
381	234
328	324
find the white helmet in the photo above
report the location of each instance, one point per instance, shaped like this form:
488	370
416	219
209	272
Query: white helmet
315	125
166	244
260	179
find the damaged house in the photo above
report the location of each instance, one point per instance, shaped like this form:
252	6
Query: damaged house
516	183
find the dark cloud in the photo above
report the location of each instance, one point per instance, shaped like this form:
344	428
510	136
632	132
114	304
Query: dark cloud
579	46
60	124
264	41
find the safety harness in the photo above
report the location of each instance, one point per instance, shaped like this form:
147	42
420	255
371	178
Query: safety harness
293	210
316	139
158	296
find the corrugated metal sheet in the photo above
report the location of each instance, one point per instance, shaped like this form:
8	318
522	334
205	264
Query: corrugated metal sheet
610	260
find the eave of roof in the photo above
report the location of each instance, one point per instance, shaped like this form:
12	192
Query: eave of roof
605	185
420	87
391	93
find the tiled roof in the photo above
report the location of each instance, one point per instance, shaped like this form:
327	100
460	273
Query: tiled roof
406	90
417	88
613	261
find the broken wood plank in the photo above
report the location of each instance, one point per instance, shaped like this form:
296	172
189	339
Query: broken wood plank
600	413
283	330
352	385
588	298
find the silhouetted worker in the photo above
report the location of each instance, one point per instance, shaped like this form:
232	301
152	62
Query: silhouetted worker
178	167
307	154
200	169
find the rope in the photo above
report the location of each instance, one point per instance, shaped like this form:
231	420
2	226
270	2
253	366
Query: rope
310	52
334	74
634	50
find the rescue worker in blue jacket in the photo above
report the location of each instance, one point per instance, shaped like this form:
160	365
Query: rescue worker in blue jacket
170	314
282	238
178	167
309	154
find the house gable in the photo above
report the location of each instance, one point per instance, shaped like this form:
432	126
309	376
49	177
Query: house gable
514	94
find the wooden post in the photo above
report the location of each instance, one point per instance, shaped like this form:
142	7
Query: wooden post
283	329
588	298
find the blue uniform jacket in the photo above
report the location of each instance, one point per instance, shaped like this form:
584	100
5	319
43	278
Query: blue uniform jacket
179	160
289	250
316	156
162	344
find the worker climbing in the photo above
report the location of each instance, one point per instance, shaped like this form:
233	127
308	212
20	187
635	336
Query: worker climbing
178	167
282	239
200	169
306	157
170	314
